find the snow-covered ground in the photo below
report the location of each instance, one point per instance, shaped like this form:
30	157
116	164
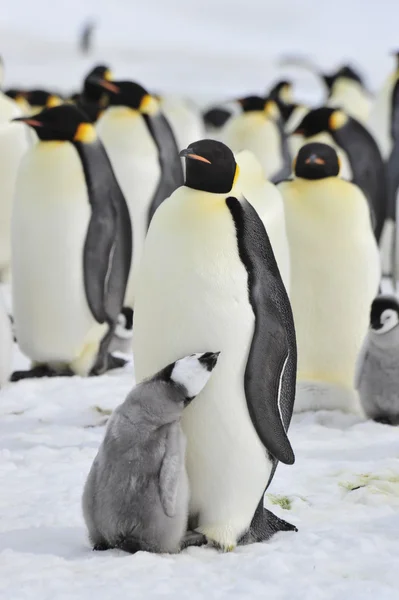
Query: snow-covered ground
343	491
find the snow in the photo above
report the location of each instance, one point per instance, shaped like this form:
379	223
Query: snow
343	491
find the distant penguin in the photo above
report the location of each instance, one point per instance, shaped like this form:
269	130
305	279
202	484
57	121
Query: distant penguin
137	493
209	279
357	145
6	342
122	340
184	119
268	203
144	155
13	144
19	96
215	117
41	99
86	37
345	88
281	92
71	248
377	377
259	129
93	100
335	273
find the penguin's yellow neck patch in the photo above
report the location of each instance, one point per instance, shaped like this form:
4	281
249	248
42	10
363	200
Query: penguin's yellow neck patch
271	110
149	105
337	120
53	101
236	176
85	133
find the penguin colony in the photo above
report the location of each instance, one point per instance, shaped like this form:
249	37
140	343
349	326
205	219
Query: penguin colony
237	253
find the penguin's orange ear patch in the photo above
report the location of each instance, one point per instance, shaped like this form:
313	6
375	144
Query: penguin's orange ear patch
85	133
337	120
236	175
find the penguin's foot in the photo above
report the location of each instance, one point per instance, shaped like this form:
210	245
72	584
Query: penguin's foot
38	372
110	362
220	537
193	538
264	525
101	547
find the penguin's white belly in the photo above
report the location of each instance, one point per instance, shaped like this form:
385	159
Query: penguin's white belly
352	99
51	215
6	343
13	145
192	297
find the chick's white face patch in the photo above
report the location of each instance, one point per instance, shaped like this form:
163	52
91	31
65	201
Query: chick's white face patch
191	373
389	319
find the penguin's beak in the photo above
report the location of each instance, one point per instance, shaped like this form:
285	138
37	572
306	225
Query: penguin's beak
314	160
107	85
31	122
298	131
188	153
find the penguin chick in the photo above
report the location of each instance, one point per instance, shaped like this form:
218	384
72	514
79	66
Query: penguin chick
122	340
377	375
137	493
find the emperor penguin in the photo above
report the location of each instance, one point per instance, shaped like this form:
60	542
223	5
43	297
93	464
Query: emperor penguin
209	279
145	446
259	129
6	343
93	100
358	147
71	248
215	117
377	376
184	119
13	144
39	99
335	273
19	96
268	203
281	91
144	155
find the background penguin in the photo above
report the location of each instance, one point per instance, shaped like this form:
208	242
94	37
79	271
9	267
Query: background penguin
144	155
268	203
335	272
6	343
122	340
357	144
260	130
13	144
71	248
19	96
377	377
209	280
184	119
144	444
281	92
93	100
41	99
216	117
86	37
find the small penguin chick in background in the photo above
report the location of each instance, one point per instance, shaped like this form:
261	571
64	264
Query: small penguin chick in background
122	340
137	493
377	376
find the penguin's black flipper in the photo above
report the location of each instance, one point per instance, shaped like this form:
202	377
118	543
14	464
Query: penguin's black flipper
108	245
395	112
270	375
169	160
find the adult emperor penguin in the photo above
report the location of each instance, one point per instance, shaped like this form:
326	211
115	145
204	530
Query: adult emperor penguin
41	99
144	155
356	144
6	341
184	119
268	203
13	144
259	129
377	376
215	117
209	279
71	248
92	101
335	273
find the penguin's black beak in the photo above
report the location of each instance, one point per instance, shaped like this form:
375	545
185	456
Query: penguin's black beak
189	153
314	160
31	122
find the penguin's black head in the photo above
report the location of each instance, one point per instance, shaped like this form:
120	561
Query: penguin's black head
316	161
217	116
43	98
129	94
384	314
210	167
252	103
321	119
282	91
348	72
92	91
286	110
65	123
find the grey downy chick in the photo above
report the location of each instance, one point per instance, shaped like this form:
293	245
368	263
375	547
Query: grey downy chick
377	378
137	493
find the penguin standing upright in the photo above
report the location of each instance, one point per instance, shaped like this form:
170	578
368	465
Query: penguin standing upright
144	155
40	99
13	144
381	121
260	130
335	272
377	376
328	125
215	117
71	248
6	341
93	100
184	119
209	279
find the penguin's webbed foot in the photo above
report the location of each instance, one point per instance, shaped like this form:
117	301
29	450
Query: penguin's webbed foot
38	372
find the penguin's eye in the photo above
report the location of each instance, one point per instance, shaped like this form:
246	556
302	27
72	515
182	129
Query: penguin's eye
387	315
